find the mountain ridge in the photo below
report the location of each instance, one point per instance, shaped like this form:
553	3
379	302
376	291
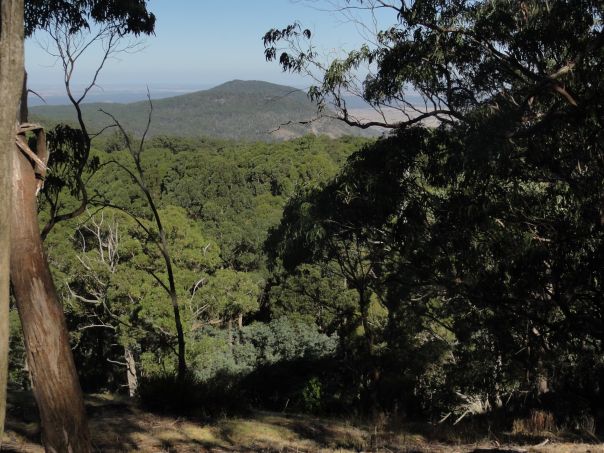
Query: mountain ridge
242	110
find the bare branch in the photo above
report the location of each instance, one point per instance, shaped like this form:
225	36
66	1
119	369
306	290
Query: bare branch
69	48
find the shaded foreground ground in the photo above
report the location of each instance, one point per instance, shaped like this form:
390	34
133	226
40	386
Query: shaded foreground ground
119	425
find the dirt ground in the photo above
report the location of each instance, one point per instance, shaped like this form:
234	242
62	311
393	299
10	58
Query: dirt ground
119	425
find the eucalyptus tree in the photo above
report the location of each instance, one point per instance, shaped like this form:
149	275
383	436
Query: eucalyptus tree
515	156
368	227
56	386
116	308
228	295
157	235
11	70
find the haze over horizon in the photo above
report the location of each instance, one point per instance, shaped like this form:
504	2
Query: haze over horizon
122	93
196	46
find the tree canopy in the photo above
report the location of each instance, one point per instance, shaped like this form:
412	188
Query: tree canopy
130	16
451	267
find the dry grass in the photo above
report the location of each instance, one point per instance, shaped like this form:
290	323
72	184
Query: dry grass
539	423
118	425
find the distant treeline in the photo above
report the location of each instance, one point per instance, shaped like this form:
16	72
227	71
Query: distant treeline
239	110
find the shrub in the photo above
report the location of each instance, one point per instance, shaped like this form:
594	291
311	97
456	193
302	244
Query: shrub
311	395
538	422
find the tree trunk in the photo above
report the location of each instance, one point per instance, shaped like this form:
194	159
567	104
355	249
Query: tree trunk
27	382
374	371
56	386
162	244
542	384
230	332
240	328
11	72
180	335
131	371
364	303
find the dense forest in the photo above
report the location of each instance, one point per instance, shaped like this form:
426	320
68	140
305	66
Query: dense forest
218	200
447	273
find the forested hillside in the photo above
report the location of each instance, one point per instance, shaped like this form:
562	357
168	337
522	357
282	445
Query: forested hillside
441	281
239	110
218	200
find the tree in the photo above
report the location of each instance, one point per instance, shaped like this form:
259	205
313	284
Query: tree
49	356
71	146
116	310
11	70
456	56
314	292
229	295
94	284
158	237
354	226
56	388
74	26
513	168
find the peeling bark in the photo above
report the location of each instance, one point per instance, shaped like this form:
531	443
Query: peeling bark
11	72
55	381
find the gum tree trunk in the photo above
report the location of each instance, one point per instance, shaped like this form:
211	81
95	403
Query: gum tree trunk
132	379
55	381
11	72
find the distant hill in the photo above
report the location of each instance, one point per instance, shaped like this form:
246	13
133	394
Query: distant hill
241	110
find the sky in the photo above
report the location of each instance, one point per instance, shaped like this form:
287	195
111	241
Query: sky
202	43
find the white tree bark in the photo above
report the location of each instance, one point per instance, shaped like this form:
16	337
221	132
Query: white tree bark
131	371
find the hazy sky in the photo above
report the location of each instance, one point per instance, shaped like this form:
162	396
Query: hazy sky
201	43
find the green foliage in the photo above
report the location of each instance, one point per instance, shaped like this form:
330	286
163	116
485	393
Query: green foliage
314	293
18	375
258	345
128	17
311	395
483	234
440	270
286	340
109	271
106	274
244	187
228	294
270	364
236	110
